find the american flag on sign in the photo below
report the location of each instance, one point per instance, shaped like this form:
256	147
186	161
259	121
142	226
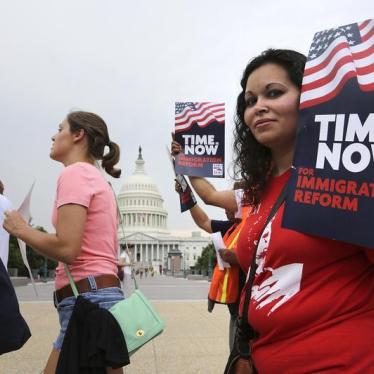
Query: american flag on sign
335	56
188	113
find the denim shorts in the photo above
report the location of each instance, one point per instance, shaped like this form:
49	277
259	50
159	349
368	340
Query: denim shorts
104	297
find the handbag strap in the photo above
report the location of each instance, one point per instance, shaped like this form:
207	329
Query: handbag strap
71	281
123	234
99	167
253	268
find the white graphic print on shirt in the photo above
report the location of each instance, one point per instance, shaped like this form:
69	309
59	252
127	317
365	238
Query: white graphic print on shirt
283	282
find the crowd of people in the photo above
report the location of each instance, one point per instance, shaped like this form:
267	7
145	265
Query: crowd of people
310	300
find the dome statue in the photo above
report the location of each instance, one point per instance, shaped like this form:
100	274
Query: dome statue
146	233
140	202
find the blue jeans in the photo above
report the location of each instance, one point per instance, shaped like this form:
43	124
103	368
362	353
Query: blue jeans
105	298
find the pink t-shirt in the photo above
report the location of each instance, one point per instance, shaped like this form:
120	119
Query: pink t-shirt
81	183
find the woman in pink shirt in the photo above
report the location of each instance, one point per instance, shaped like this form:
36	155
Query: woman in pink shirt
85	218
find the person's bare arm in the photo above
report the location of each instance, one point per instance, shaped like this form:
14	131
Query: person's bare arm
228	256
206	191
201	219
243	366
122	262
64	245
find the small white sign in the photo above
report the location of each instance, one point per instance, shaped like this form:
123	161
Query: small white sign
219	244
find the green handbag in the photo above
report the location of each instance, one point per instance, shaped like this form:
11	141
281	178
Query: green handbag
138	320
135	315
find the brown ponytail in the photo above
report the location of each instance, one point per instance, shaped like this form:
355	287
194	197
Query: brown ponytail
111	159
97	138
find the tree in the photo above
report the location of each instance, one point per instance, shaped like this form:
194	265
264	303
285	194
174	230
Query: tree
35	259
15	259
208	257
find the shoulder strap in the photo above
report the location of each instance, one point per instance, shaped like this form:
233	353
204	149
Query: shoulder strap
123	232
71	281
253	268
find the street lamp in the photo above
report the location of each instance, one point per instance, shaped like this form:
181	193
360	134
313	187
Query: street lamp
184	264
209	266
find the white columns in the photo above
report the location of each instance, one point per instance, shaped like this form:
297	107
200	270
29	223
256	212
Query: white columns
141	252
146	252
135	253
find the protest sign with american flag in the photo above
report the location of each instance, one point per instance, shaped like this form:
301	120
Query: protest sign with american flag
200	130
335	56
203	114
331	191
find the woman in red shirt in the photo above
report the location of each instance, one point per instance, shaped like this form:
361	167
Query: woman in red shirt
312	301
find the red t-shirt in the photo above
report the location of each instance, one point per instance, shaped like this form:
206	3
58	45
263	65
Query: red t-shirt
312	299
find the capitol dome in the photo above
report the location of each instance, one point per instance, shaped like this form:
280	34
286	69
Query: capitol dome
145	227
140	202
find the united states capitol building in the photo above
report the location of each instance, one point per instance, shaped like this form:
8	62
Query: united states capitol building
146	230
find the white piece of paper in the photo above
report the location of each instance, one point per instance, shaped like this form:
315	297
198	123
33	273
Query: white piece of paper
239	197
25	212
219	244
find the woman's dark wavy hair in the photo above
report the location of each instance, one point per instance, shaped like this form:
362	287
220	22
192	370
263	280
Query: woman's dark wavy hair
252	161
97	138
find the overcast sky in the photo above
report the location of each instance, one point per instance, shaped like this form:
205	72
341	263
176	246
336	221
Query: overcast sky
129	61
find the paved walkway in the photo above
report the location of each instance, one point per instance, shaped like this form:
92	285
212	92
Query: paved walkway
194	341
